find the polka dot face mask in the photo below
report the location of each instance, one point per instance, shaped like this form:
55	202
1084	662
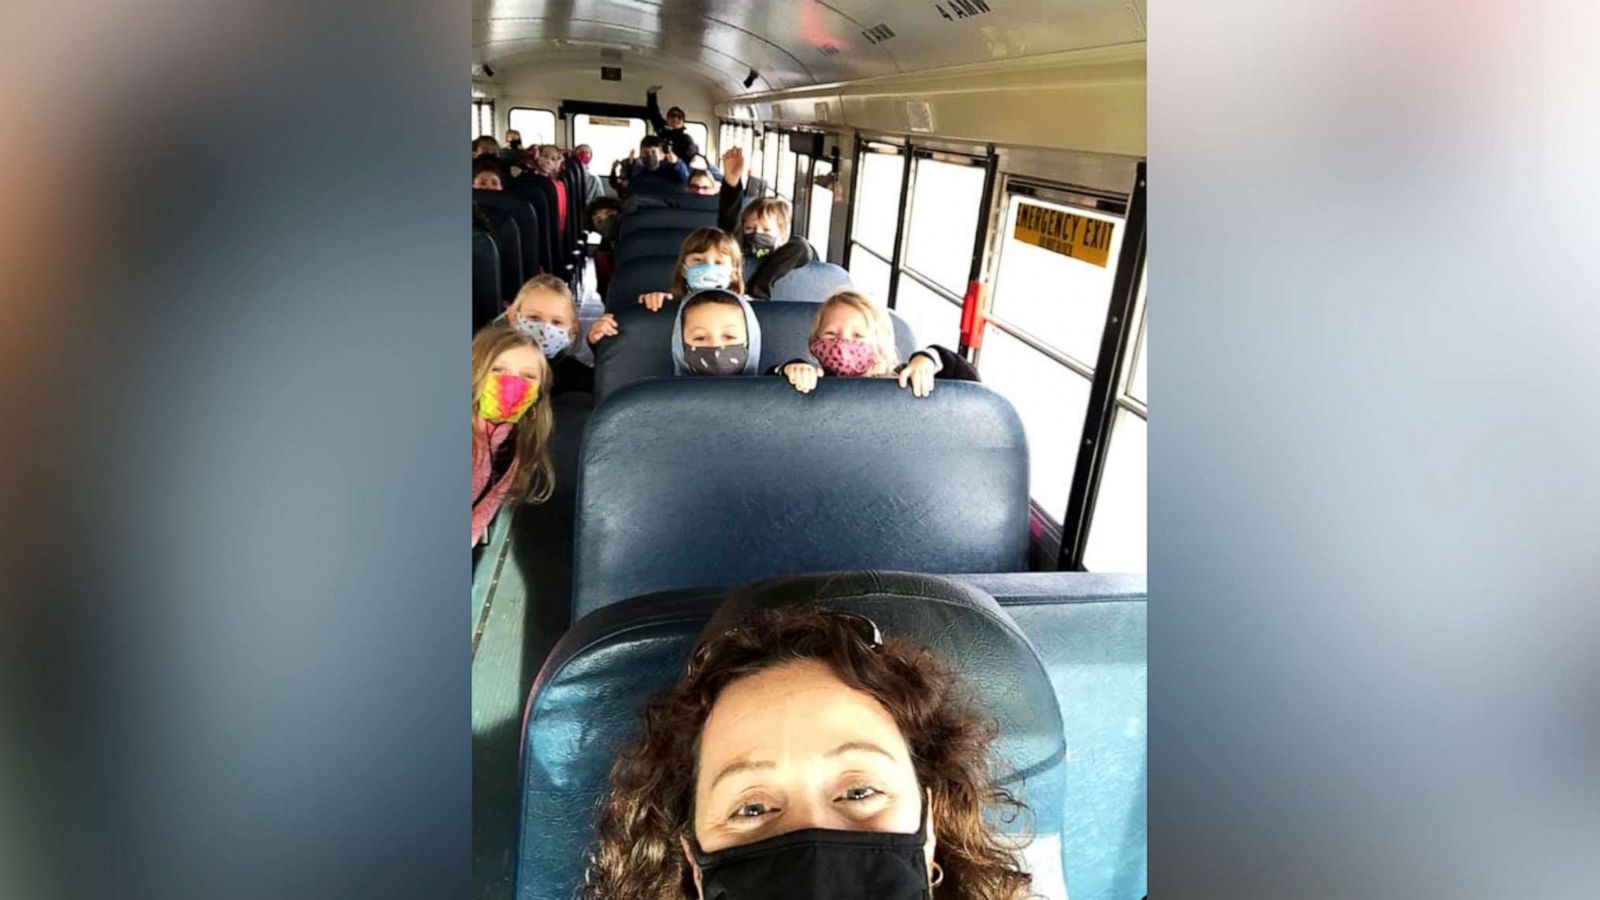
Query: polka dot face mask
844	358
552	339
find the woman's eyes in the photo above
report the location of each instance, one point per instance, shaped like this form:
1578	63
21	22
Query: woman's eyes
858	794
751	811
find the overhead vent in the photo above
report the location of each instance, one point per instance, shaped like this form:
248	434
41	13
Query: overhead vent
821	111
919	116
611	54
878	33
610	73
828	50
953	10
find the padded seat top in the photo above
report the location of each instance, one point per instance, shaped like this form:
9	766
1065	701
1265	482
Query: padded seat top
813	282
642	347
642	275
693	481
584	703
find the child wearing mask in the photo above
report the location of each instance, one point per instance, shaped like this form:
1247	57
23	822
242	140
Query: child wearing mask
762	227
510	427
546	313
708	258
851	337
716	333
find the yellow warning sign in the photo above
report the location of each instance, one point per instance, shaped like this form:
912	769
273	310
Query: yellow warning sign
1079	237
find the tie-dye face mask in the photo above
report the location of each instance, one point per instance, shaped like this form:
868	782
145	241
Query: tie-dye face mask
552	339
506	398
843	358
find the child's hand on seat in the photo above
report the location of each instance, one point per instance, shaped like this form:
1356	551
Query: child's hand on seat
654	300
603	327
918	373
802	376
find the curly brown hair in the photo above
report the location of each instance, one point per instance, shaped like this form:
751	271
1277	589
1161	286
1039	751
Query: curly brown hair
637	855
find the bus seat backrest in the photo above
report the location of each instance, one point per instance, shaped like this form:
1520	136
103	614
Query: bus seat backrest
541	192
528	248
856	474
655	187
506	238
685	201
813	282
584	703
685	219
486	301
642	275
1089	630
651	242
642	347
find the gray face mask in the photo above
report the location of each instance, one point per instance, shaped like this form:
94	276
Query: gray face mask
729	360
651	160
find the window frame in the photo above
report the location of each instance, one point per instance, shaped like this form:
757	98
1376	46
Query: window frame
990	164
1108	391
1125	317
555	121
704	150
478	102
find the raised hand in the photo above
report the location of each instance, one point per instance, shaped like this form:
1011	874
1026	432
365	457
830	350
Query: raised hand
733	166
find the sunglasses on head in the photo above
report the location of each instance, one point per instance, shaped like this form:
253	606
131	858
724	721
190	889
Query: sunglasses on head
863	628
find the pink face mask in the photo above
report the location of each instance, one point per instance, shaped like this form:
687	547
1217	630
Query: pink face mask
844	358
585	157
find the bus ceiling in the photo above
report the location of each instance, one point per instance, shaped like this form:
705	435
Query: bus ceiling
1058	74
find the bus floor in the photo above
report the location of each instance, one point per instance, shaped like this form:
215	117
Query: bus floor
522	604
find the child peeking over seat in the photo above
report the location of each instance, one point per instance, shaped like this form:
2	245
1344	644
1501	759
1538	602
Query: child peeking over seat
852	337
510	427
546	313
716	333
708	259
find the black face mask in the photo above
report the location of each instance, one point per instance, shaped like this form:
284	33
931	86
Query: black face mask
758	245
727	360
817	863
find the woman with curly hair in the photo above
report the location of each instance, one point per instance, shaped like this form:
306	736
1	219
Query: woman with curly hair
801	755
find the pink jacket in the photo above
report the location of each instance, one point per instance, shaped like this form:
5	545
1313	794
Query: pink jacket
482	458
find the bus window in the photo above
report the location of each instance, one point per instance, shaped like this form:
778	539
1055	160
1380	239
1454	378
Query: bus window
769	162
1117	529
821	214
877	203
538	126
700	134
786	163
945	209
931	315
1052	291
610	137
1059	294
1051	399
870	275
482	117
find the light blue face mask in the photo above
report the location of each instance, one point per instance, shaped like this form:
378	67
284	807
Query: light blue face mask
704	276
552	339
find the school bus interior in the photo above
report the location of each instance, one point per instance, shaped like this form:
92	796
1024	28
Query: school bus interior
975	166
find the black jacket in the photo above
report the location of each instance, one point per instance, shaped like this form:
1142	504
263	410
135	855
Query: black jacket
780	262
678	138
